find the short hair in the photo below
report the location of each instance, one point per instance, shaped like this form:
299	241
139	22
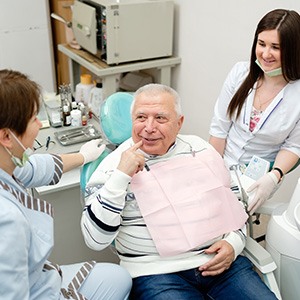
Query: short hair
19	98
156	88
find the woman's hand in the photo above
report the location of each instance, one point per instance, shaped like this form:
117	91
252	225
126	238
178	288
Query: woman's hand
263	189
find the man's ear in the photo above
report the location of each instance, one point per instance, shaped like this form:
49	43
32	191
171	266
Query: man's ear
5	138
180	122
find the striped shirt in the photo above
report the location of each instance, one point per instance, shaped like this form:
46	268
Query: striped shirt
111	215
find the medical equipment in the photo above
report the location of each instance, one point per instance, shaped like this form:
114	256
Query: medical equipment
77	135
283	242
123	31
53	108
256	168
244	177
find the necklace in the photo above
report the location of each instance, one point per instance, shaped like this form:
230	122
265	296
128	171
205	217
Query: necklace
262	93
261	104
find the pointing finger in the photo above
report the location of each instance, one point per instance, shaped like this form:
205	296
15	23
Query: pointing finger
137	145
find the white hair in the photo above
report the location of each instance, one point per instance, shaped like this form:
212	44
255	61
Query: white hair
156	88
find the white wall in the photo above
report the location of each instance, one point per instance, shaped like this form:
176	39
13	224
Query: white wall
210	36
26	41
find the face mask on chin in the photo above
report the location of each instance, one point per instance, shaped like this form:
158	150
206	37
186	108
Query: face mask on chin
272	73
20	162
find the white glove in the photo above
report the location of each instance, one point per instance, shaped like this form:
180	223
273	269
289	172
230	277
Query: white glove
91	150
264	188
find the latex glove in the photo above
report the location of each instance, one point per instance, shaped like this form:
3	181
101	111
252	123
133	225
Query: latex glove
91	150
263	189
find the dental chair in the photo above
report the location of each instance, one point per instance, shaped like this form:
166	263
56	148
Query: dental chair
115	125
264	263
283	243
282	240
265	209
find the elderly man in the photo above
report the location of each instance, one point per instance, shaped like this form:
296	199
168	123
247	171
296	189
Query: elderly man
165	200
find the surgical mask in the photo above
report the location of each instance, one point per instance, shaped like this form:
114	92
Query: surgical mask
20	162
271	73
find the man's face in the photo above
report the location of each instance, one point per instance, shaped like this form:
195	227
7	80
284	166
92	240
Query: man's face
155	122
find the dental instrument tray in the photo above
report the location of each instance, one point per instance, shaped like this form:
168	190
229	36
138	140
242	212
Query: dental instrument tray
77	135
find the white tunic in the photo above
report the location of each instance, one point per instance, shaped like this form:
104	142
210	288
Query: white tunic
278	128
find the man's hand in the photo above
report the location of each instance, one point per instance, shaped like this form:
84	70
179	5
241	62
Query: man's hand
131	161
221	261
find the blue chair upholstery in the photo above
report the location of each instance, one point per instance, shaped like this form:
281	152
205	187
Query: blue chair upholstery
115	125
115	117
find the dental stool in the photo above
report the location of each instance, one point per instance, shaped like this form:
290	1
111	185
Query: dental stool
115	126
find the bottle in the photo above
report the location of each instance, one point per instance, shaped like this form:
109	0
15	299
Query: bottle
96	99
74	104
66	115
75	115
84	120
83	89
82	108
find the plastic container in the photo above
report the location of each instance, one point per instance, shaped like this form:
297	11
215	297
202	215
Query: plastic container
53	107
96	99
76	118
83	89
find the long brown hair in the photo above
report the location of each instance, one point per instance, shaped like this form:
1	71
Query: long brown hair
287	23
19	98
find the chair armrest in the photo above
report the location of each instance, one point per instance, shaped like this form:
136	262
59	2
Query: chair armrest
259	256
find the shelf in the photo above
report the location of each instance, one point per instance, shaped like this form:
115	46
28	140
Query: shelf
110	74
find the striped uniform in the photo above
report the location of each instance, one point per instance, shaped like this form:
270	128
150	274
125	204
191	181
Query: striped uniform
26	241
